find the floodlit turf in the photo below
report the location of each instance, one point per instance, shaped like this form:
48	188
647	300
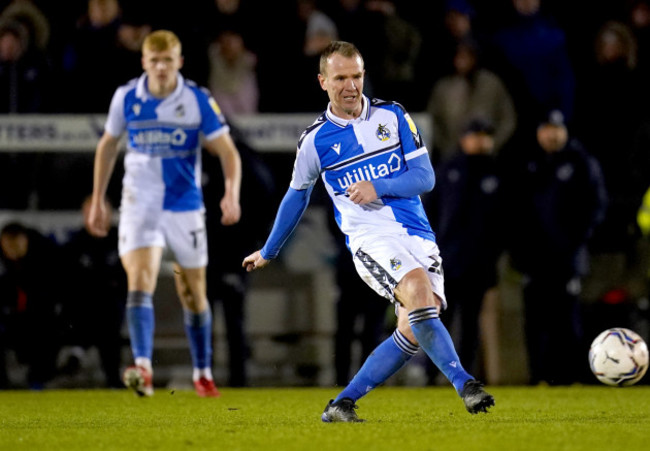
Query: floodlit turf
577	418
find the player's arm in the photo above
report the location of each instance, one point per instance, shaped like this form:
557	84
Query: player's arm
418	179
105	158
293	205
224	148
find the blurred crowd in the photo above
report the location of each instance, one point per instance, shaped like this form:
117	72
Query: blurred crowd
506	85
511	61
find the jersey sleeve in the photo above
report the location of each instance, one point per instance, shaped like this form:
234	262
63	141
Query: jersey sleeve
306	167
116	120
420	177
213	122
293	206
409	134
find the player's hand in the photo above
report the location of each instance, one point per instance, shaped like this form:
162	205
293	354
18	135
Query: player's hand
362	192
254	261
97	221
230	211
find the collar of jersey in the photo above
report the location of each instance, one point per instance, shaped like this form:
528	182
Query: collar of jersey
365	113
142	92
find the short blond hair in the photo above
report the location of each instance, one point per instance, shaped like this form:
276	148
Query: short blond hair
346	49
161	40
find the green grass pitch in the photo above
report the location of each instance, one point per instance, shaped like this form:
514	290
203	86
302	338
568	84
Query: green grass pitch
525	418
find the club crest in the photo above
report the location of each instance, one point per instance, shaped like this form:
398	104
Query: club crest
179	111
383	133
395	264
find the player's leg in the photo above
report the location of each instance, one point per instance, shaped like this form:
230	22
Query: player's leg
185	234
387	358
384	361
191	288
416	294
142	266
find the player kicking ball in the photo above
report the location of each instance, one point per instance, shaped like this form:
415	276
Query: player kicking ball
374	166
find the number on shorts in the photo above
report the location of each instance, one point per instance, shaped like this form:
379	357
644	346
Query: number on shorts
435	267
196	236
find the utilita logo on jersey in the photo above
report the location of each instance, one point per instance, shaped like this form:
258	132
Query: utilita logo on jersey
160	137
370	171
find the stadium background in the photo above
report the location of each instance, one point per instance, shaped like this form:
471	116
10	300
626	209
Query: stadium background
47	165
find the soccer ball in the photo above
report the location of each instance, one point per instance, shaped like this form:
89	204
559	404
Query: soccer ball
619	357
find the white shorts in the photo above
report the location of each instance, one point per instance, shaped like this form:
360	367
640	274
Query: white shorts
383	261
183	232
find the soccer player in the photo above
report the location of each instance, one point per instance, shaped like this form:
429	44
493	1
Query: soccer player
167	119
374	166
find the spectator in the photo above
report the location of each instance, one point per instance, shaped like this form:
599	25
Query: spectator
392	50
318	36
28	13
557	197
467	213
457	26
93	266
240	15
224	12
24	73
317	23
613	126
347	15
93	45
610	114
131	32
472	91
30	294
531	56
233	78
639	23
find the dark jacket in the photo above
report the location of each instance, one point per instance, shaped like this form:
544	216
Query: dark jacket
465	209
32	286
555	201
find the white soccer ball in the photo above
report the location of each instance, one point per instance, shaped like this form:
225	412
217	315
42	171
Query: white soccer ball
619	357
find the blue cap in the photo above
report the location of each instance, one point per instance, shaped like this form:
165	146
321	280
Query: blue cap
554	117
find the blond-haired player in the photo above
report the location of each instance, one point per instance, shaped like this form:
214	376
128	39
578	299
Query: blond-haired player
167	120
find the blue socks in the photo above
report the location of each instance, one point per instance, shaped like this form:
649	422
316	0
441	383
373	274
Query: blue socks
198	327
434	338
383	362
140	319
394	352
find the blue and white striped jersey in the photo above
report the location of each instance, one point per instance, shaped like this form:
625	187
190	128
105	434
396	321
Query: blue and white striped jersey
377	145
163	160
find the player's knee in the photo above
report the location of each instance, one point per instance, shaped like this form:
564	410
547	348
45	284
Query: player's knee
142	280
405	328
195	305
414	291
192	300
